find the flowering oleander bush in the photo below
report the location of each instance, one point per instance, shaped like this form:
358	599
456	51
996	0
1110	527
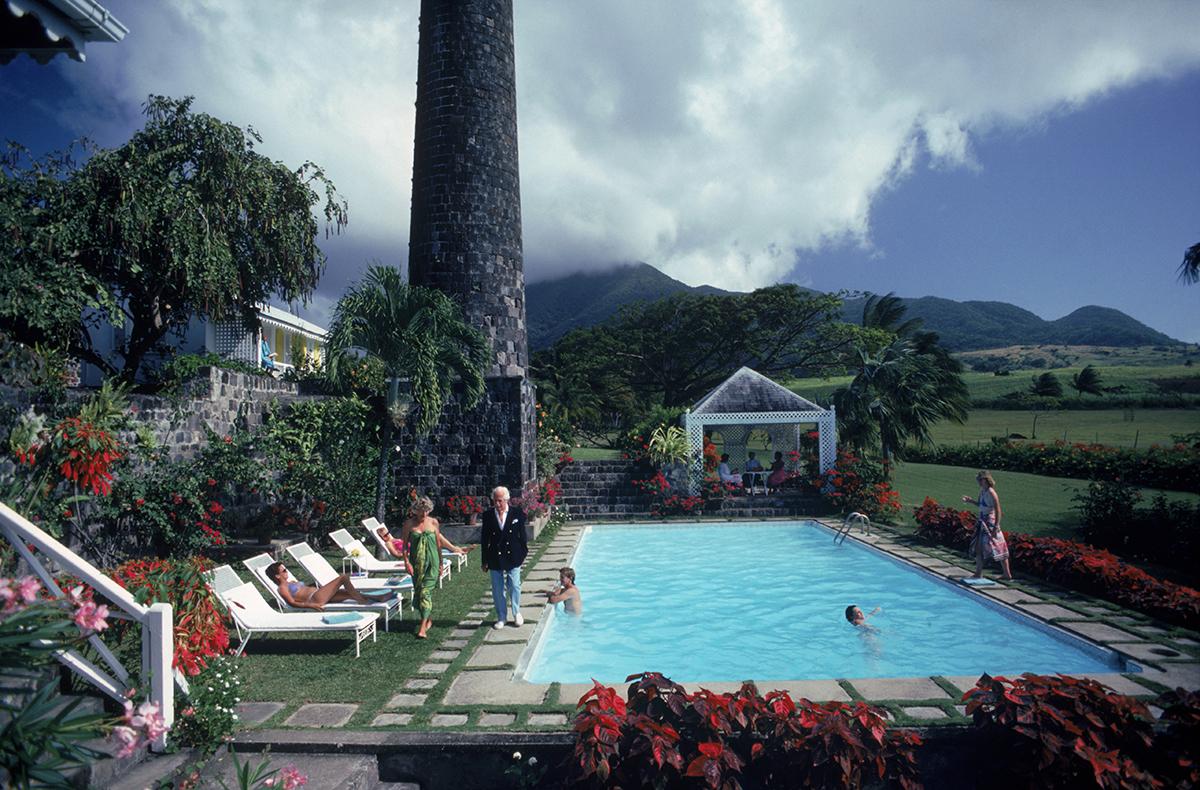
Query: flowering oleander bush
945	526
464	506
856	484
206	718
663	737
1176	467
200	632
1074	732
1075	565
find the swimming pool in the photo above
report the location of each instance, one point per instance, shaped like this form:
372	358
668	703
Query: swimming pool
765	601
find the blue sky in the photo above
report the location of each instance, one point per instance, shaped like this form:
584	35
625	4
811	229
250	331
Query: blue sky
1041	154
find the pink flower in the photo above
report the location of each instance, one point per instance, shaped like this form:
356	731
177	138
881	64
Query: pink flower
91	617
147	718
8	597
29	587
289	778
126	739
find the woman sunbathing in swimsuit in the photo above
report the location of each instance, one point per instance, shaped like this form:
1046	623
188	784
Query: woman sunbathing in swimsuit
302	596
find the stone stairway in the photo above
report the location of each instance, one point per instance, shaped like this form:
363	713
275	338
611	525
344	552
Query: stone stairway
603	491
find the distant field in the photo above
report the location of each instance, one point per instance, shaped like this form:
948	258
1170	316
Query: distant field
1137	380
1115	427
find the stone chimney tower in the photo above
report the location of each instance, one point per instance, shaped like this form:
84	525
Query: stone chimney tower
465	239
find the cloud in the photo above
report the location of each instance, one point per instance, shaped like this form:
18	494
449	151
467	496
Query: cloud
714	139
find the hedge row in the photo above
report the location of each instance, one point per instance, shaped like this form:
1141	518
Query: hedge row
1176	468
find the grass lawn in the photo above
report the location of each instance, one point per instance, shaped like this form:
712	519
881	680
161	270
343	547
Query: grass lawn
1032	504
595	454
322	668
1115	427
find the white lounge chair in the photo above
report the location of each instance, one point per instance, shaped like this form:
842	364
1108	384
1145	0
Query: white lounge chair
322	572
253	615
366	561
372	524
259	563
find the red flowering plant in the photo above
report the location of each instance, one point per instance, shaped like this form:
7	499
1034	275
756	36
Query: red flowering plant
1075	732
856	484
538	498
464	506
200	631
1071	564
663	736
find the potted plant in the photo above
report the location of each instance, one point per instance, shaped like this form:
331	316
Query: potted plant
668	451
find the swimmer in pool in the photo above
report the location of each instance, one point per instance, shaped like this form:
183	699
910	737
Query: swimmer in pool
856	618
566	592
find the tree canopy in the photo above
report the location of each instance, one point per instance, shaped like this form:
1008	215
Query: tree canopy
1087	380
1046	385
672	351
186	219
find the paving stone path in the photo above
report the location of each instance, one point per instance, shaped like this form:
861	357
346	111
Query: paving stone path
484	694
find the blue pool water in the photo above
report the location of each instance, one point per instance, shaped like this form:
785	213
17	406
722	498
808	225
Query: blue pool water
766	601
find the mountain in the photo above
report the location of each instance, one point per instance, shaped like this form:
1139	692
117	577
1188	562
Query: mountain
555	307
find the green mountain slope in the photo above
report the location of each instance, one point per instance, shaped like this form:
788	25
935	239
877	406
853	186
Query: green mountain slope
555	307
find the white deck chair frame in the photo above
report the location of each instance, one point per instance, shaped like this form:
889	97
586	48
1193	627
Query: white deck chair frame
367	562
322	572
252	615
259	563
372	524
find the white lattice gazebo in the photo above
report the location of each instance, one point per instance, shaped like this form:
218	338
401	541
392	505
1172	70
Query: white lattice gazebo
748	401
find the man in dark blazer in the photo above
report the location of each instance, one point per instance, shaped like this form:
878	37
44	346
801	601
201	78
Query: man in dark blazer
504	549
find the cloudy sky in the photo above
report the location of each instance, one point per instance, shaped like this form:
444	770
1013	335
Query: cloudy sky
1044	154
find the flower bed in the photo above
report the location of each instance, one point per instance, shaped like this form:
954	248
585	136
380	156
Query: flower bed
1071	564
665	737
1176	468
859	485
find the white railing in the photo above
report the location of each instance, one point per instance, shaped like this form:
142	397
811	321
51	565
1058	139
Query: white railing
158	646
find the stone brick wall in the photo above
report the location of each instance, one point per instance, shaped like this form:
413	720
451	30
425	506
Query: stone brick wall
465	232
472	451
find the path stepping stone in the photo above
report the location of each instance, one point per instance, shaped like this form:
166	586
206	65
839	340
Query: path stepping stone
455	644
321	714
496	719
493	687
433	669
473	621
251	713
489	655
407	701
507	635
1175	674
1186	642
925	712
1101	632
1118	683
462	633
444	655
1146	651
1049	611
873	689
448	719
391	719
421	683
547	719
1150	630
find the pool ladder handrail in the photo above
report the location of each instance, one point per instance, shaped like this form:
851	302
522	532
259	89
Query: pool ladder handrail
848	523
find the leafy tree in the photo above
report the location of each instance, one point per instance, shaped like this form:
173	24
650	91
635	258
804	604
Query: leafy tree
45	288
1189	269
672	351
900	391
186	219
416	333
1046	385
1087	380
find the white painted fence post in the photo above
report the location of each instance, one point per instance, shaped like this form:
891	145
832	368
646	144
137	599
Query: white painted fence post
158	653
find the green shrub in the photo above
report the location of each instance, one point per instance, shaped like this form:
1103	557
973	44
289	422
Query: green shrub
1166	532
183	368
206	718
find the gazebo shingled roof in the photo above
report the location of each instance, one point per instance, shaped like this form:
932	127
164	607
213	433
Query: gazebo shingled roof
750	391
746	400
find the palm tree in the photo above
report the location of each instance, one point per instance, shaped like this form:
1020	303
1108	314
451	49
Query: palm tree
1189	270
416	333
901	390
1087	380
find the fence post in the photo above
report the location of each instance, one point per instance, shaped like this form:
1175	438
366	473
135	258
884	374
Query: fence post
158	654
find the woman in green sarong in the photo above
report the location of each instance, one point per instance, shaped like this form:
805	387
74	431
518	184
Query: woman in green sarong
423	537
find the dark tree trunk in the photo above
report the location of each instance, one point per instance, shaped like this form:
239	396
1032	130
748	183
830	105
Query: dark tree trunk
385	459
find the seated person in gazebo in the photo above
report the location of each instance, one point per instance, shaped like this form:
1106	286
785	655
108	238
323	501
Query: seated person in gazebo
752	465
267	355
778	471
726	474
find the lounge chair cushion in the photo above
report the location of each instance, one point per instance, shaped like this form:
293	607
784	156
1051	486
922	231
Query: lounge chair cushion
339	618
